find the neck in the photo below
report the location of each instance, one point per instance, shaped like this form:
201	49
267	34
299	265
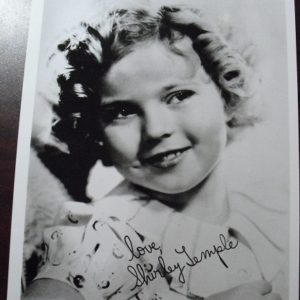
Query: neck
206	202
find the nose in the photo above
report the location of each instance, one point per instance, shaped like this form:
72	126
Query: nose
158	123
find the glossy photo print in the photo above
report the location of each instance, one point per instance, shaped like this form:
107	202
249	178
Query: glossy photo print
157	151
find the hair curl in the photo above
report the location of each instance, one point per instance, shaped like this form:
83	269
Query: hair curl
89	52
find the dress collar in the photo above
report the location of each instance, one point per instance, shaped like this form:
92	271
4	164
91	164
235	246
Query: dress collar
257	256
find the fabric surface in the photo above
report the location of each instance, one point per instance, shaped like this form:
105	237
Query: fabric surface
128	246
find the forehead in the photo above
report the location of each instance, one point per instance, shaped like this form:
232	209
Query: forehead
152	64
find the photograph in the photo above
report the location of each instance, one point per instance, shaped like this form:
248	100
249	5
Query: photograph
158	152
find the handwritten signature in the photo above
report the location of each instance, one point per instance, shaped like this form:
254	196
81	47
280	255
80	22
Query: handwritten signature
144	274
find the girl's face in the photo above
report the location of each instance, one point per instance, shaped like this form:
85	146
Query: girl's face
162	119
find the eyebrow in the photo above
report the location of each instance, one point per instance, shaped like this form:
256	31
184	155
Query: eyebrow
176	85
170	87
115	103
119	102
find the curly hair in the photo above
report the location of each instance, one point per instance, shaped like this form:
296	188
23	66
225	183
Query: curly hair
90	51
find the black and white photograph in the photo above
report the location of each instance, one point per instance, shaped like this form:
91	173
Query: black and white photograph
157	152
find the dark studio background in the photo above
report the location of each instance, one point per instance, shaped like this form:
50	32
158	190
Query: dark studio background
14	21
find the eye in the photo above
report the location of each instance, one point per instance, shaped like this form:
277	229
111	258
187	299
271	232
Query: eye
179	96
117	112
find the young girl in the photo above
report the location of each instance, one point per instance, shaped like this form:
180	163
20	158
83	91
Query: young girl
159	95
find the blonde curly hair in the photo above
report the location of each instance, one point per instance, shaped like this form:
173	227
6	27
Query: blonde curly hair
91	49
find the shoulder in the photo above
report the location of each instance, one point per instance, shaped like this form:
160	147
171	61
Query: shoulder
266	231
270	219
87	253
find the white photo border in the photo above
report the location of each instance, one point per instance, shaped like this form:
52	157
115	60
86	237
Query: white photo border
23	151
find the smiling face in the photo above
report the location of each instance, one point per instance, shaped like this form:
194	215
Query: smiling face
162	118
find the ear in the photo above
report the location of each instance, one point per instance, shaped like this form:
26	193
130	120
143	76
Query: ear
229	117
230	126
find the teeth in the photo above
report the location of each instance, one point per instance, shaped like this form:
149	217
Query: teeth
171	156
166	160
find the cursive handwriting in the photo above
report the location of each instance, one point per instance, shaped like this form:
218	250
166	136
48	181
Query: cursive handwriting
225	245
144	274
140	251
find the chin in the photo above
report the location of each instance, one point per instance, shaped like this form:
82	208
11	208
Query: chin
175	186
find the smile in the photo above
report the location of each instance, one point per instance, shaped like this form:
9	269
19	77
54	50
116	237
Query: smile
166	159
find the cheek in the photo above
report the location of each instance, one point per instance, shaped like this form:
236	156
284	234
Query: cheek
206	123
122	142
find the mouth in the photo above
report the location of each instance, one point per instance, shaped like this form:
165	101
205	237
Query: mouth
166	159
